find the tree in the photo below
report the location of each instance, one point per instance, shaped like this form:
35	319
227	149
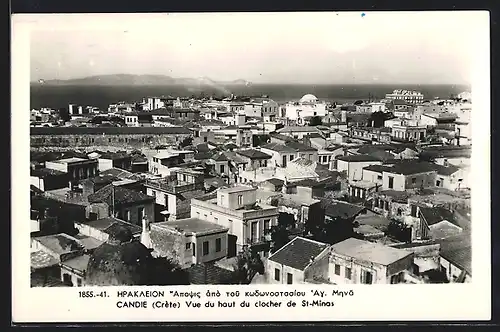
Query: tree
280	234
162	271
248	264
315	121
399	230
186	142
378	119
64	114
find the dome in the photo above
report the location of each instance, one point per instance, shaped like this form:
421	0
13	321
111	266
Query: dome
308	99
119	264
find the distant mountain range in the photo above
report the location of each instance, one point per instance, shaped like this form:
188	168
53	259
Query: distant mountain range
130	80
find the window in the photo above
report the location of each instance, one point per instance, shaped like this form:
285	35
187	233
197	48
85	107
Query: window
127	215
310	156
205	248
289	278
141	212
218	245
379	177
277	274
414	211
337	269
348	273
222	168
254	232
266	224
366	277
413	180
205	216
188	245
391	182
240	199
291	157
216	220
194	249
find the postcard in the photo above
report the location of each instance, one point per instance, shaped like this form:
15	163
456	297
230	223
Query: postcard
230	167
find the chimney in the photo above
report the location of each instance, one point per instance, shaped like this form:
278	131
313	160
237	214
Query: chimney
145	235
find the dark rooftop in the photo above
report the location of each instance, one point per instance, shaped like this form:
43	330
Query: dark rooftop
457	250
275	182
45	172
121	195
253	154
279	147
339	209
208	274
409	167
434	215
358	158
105	224
299	147
298	253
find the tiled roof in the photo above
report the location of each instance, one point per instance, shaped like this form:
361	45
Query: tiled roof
105	224
40	259
298	253
409	167
299	147
108	130
208	274
358	158
253	154
339	209
376	168
434	215
275	182
446	170
45	172
279	147
457	250
220	156
369	251
121	195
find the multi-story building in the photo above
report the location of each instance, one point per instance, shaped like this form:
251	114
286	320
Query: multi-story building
190	241
76	168
308	106
354	261
407	132
173	194
409	96
237	209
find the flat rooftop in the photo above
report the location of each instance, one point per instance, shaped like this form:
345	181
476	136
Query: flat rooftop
60	243
236	189
78	263
369	251
69	160
192	225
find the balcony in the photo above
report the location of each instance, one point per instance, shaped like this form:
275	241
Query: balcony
173	186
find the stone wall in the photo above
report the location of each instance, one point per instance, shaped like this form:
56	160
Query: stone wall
167	244
135	141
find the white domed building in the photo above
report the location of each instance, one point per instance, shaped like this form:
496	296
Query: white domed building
307	107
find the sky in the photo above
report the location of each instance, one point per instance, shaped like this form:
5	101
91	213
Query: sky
317	48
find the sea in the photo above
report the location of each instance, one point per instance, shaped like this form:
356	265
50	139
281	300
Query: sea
58	97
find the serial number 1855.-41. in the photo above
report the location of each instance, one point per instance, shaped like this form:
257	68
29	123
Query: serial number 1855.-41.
89	294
